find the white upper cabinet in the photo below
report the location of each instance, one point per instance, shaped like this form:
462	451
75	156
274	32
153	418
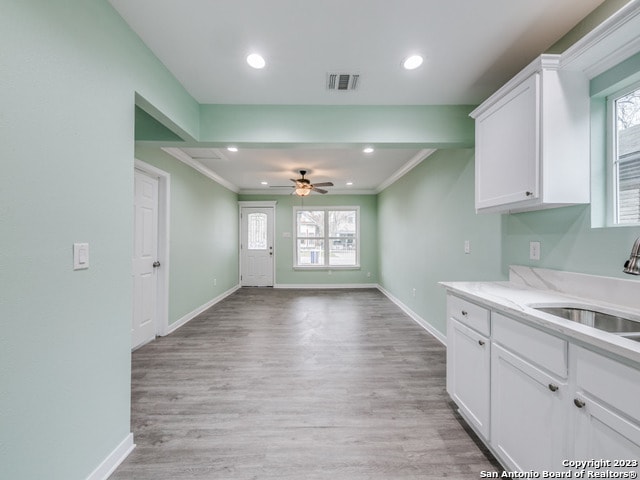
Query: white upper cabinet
532	141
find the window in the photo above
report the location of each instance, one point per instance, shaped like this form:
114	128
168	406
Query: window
327	237
257	231
624	109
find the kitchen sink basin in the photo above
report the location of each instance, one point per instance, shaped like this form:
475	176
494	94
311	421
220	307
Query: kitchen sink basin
600	320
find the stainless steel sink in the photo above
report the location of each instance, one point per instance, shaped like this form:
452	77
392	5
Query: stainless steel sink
631	336
600	320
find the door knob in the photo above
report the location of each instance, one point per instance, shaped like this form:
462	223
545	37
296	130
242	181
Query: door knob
156	264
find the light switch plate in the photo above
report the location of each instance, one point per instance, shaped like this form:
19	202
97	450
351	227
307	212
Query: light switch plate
80	256
534	250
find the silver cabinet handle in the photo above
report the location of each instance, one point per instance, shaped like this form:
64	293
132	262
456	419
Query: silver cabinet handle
578	403
156	264
464	313
529	194
553	387
481	343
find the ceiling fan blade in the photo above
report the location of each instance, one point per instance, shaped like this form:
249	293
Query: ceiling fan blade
282	186
319	190
323	184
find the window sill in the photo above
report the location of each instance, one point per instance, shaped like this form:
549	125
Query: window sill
326	267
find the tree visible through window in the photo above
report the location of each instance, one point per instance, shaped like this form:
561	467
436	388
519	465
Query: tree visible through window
326	237
627	157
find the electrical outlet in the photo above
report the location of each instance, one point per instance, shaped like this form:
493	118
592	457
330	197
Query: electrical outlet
368	274
534	250
413	292
467	247
215	282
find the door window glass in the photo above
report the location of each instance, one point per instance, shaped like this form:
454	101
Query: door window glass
257	231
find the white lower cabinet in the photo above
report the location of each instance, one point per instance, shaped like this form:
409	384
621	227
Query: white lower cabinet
468	370
606	409
602	433
538	399
528	408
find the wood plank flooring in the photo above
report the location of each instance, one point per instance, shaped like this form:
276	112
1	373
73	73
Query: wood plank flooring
297	384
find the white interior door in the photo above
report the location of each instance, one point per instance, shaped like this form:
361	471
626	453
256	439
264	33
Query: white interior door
256	247
145	255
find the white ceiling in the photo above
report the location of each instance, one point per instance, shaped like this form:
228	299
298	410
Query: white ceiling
471	48
244	170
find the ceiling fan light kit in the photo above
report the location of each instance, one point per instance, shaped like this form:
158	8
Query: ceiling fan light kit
304	187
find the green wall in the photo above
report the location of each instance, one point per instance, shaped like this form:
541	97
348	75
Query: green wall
69	73
286	275
203	243
424	219
436	126
568	242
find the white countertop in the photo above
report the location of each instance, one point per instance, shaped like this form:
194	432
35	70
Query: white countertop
517	297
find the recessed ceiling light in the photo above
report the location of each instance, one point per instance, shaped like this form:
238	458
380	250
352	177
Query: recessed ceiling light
367	149
349	183
256	61
412	62
264	183
232	149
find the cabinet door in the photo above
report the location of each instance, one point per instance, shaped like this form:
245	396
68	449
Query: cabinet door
468	374
527	414
601	433
607	417
508	148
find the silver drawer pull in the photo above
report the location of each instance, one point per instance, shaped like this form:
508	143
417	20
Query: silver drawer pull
464	313
529	194
481	342
553	387
578	403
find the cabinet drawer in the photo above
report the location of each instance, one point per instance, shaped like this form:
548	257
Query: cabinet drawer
469	314
539	347
612	382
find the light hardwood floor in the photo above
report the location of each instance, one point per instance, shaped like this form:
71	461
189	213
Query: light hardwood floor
297	384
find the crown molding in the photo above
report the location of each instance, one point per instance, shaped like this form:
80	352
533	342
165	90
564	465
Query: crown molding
608	44
406	168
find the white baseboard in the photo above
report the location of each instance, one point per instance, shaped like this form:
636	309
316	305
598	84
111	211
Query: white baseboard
415	317
115	458
193	314
323	286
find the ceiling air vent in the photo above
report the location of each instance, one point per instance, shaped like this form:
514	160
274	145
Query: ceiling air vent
342	81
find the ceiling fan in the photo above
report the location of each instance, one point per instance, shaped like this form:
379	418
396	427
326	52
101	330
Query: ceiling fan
304	187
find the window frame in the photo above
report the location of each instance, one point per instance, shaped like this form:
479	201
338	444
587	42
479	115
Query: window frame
326	237
612	172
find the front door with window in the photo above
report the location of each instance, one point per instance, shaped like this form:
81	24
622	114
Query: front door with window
256	247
